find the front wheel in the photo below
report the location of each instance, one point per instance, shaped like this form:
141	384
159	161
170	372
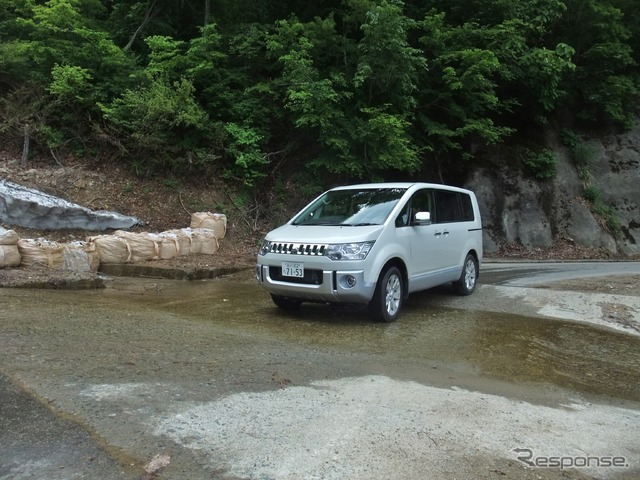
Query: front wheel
286	303
468	278
387	299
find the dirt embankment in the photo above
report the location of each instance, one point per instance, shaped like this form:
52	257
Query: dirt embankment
161	204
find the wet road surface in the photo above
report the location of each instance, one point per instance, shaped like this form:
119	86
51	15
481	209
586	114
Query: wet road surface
212	375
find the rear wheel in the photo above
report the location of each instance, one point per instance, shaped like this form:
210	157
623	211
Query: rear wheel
286	303
468	278
387	299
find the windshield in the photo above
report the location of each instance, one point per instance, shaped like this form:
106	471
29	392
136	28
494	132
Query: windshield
351	207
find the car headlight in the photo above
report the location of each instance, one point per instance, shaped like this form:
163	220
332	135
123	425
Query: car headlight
348	251
264	249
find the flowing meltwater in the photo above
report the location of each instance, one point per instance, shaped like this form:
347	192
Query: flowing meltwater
502	346
215	374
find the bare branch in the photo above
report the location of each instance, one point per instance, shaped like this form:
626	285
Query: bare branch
182	203
25	146
54	157
149	13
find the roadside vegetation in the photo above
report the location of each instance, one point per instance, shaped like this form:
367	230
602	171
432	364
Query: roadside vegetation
583	156
273	96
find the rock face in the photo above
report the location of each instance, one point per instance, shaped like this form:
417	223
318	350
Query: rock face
521	211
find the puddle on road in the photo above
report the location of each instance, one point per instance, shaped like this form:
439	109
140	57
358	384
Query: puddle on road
504	347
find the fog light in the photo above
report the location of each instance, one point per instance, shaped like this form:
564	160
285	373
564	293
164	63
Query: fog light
350	280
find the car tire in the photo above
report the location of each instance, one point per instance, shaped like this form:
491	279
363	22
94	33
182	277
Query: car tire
387	299
466	284
286	303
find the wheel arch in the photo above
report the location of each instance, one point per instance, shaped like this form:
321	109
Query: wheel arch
475	255
397	262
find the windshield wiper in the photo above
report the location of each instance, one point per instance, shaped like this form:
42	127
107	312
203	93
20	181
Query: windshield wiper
364	224
316	224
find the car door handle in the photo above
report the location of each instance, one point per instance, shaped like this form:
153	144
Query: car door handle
437	234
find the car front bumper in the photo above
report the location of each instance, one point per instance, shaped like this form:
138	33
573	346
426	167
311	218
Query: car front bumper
334	286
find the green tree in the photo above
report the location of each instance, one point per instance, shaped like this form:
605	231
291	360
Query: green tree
606	78
67	63
351	86
459	101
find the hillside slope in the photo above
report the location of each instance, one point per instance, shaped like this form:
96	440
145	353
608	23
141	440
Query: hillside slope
164	204
160	204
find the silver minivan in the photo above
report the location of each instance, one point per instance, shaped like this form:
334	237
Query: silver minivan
374	244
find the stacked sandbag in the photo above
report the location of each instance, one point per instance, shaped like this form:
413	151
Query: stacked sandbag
130	247
168	245
40	253
207	239
213	221
121	247
142	246
111	249
192	241
189	243
74	256
9	252
126	247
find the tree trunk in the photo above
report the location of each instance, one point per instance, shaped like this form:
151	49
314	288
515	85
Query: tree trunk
148	15
25	146
207	11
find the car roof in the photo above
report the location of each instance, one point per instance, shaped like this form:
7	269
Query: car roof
397	185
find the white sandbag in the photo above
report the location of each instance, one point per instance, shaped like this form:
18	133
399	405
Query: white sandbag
112	249
8	237
142	246
180	242
214	221
168	245
73	256
189	243
9	256
208	241
40	253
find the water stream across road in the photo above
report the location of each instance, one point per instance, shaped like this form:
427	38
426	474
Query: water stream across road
211	372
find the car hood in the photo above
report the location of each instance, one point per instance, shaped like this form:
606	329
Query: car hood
324	234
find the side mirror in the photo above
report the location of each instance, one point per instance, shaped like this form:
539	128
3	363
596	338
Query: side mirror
423	218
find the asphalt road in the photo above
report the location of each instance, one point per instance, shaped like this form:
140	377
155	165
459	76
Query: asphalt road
519	274
212	381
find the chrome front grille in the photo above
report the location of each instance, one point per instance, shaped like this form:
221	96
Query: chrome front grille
314	249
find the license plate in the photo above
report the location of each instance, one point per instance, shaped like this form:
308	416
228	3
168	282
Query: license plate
292	269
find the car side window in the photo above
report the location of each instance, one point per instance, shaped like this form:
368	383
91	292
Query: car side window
467	208
403	218
447	206
444	206
452	207
421	201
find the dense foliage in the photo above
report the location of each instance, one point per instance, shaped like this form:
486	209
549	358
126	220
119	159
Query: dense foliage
350	89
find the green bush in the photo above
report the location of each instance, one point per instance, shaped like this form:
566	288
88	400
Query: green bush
592	194
606	212
582	153
542	165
